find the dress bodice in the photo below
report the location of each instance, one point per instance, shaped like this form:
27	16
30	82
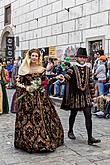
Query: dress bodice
28	78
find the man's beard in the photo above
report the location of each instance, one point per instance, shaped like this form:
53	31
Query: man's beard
81	62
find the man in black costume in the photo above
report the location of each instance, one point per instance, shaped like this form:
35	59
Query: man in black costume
79	91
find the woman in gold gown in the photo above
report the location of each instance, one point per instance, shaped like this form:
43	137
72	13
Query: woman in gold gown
37	127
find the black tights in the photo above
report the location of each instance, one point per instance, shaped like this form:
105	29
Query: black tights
88	120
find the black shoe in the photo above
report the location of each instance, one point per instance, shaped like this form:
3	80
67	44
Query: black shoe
93	140
56	95
71	135
107	116
61	96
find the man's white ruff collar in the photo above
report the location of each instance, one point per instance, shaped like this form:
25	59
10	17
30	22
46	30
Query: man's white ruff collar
76	63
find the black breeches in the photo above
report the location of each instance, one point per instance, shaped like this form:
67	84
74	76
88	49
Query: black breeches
88	120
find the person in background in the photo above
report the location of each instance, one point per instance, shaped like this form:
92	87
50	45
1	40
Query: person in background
78	95
37	127
15	69
100	73
4	79
49	68
4	64
45	61
14	74
9	67
19	61
88	63
60	83
97	62
57	70
97	55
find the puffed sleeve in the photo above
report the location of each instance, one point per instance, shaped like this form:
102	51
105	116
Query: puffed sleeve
19	82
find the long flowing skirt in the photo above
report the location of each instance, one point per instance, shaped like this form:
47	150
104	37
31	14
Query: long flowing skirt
14	104
38	126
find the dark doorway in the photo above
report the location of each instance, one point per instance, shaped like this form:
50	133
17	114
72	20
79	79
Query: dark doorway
93	47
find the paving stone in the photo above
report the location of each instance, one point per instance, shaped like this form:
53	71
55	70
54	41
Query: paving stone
73	152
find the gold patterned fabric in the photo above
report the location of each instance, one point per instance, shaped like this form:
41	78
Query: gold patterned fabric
79	88
38	126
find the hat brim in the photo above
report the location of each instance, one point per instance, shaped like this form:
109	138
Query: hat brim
81	56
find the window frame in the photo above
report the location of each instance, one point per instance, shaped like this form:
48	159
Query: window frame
7	21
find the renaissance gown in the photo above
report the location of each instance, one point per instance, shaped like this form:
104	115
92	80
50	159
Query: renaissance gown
38	126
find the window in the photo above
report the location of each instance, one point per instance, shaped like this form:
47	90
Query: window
7	15
93	44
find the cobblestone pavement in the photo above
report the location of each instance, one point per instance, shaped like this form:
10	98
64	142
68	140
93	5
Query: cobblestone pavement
73	152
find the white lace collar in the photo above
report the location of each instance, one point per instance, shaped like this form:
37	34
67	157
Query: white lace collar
78	64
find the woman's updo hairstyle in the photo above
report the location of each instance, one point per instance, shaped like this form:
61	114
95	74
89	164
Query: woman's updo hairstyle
39	62
36	51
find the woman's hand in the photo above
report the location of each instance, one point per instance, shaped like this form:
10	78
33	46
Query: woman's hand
29	89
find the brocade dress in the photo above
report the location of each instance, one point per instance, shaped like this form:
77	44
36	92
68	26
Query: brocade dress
37	127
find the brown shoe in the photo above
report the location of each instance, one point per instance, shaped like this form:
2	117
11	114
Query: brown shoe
93	140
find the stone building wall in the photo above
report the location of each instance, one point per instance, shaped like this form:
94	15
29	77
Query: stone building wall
45	23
